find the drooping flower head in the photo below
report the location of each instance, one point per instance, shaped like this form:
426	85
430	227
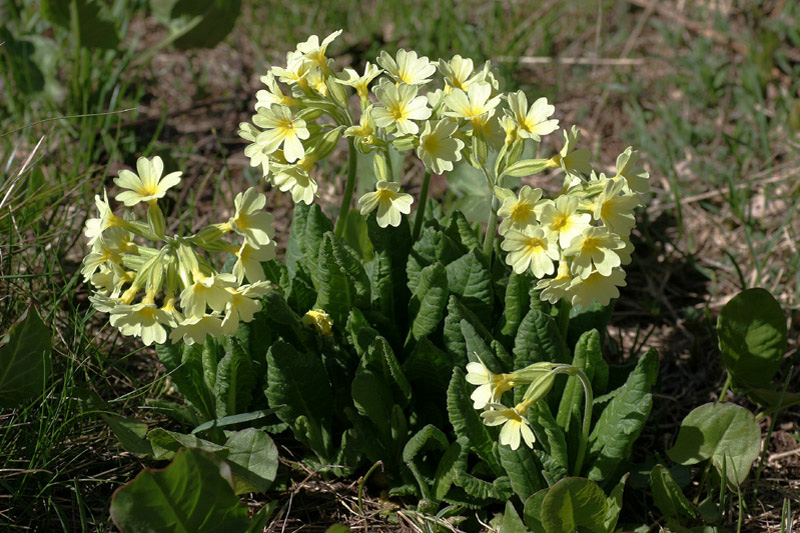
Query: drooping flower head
390	202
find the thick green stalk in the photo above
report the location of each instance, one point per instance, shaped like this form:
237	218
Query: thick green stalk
587	417
423	199
491	228
349	187
564	307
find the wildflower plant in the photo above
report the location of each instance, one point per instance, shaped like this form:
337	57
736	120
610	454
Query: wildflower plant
367	340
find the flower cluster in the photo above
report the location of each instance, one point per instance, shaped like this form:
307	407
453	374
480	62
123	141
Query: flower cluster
538	378
148	289
582	235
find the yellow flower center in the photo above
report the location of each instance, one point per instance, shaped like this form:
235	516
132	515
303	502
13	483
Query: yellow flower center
385	195
398	112
590	245
560	222
431	144
533	245
521	211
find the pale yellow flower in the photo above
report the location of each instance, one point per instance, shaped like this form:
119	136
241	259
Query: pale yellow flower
534	122
360	83
437	148
520	212
458	73
297	180
407	68
258	153
615	208
530	247
389	201
143	320
250	221
554	289
297	67
315	51
400	107
637	178
316	82
273	94
595	246
515	426
208	291
319	320
476	101
242	305
570	159
249	259
281	129
148	185
562	218
194	330
491	386
596	287
106	219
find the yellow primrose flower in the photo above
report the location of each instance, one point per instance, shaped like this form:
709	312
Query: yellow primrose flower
365	131
637	178
108	247
530	247
594	246
316	81
615	208
391	203
438	148
148	185
249	220
242	305
407	68
273	94
458	73
103	302
360	83
596	287
319	320
208	291
569	159
401	106
476	101
258	153
625	252
554	289
562	218
107	219
142	320
194	330
297	67
281	129
491	386
314	51
515	425
297	180
107	281
532	123
249	259
520	212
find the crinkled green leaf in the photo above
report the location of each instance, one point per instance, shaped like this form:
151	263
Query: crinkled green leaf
433	246
583	319
517	304
723	432
523	470
668	496
341	281
574	503
381	359
538	339
428	438
469	278
511	522
614	504
589	358
194	493
459	230
466	420
429	300
185	368
235	380
298	384
752	337
477	348
25	359
622	420
551	448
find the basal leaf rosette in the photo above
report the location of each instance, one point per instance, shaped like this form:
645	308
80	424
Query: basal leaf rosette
154	286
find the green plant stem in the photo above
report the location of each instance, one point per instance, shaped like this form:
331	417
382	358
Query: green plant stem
491	229
423	199
564	308
725	388
588	397
770	430
349	187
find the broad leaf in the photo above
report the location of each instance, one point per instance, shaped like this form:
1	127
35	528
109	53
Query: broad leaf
167	443
428	438
752	337
94	21
253	459
194	493
668	496
130	434
622	421
235	380
197	23
523	470
467	422
511	522
470	279
538	339
429	300
723	432
517	304
572	503
185	367
25	359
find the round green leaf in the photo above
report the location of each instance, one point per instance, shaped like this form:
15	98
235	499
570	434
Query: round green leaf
723	432
194	493
752	337
25	361
574	502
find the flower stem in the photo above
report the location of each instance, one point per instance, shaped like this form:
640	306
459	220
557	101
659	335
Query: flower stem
349	187
491	229
564	307
587	418
423	199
